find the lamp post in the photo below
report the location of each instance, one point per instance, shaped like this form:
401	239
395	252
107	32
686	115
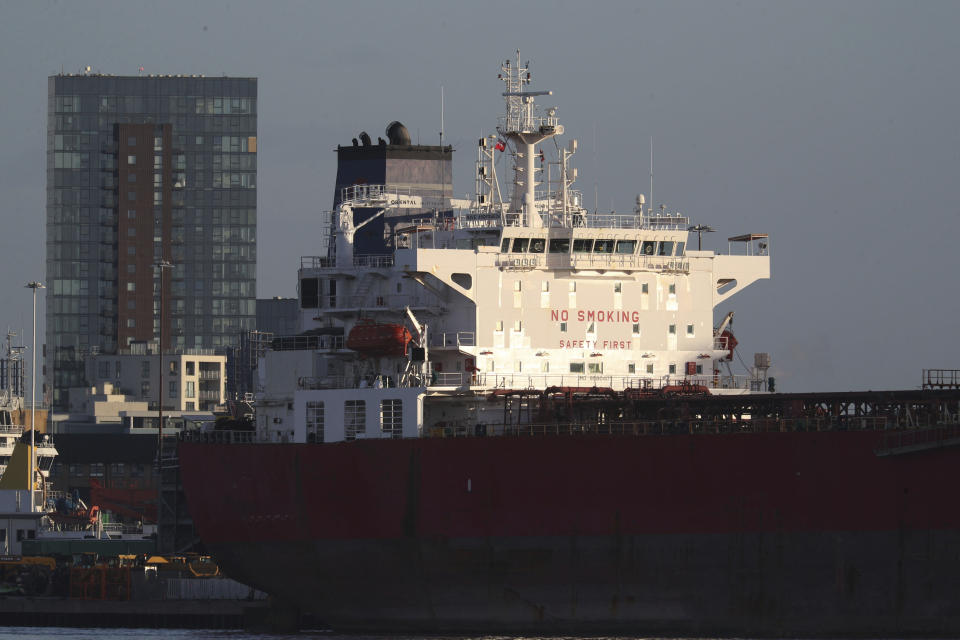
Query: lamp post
700	229
33	402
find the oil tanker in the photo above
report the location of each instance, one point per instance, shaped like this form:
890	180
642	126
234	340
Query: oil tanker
516	415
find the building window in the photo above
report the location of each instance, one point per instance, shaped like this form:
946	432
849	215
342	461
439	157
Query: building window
131	323
103	369
354	418
145	369
173	367
117	469
190	367
131	286
314	422
144	389
96	469
190	406
391	417
689	330
131	195
136	470
190	391
173	389
576	367
673	369
74	469
131	160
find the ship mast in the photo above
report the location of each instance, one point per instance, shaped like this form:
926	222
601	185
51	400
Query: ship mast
524	129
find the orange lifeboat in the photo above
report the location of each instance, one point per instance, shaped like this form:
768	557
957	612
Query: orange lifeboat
379	339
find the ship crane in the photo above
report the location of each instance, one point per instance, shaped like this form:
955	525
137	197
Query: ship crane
723	337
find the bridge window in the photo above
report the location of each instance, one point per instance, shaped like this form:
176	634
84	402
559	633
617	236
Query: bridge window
666	249
679	250
576	367
520	245
505	245
560	245
603	246
537	245
648	248
626	246
582	245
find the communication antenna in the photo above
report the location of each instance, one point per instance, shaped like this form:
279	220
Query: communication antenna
443	171
651	173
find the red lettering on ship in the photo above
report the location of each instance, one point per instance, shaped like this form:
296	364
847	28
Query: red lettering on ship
594	344
598	315
559	315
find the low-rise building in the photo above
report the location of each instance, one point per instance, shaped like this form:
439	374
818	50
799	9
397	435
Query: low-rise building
191	381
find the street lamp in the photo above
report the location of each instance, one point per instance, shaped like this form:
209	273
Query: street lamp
701	229
33	402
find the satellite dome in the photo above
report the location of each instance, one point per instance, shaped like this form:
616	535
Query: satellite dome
397	133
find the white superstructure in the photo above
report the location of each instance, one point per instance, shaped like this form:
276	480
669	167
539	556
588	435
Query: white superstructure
511	294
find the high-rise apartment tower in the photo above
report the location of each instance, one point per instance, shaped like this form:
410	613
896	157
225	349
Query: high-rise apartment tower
144	169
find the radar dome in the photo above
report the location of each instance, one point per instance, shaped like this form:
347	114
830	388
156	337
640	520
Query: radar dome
397	133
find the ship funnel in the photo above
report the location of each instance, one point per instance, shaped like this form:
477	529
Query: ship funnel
365	138
398	134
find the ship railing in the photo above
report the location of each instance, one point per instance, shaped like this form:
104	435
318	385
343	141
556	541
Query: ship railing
11	429
373	261
694	426
536	382
224	436
317	262
521	121
372	193
453	339
371	300
941	378
313	383
305	342
626	262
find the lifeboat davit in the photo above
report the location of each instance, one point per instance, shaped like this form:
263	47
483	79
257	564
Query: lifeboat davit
379	339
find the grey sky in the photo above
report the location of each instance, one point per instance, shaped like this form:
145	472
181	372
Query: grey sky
831	126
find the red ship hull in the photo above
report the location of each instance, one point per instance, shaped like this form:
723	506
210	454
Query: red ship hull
760	533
